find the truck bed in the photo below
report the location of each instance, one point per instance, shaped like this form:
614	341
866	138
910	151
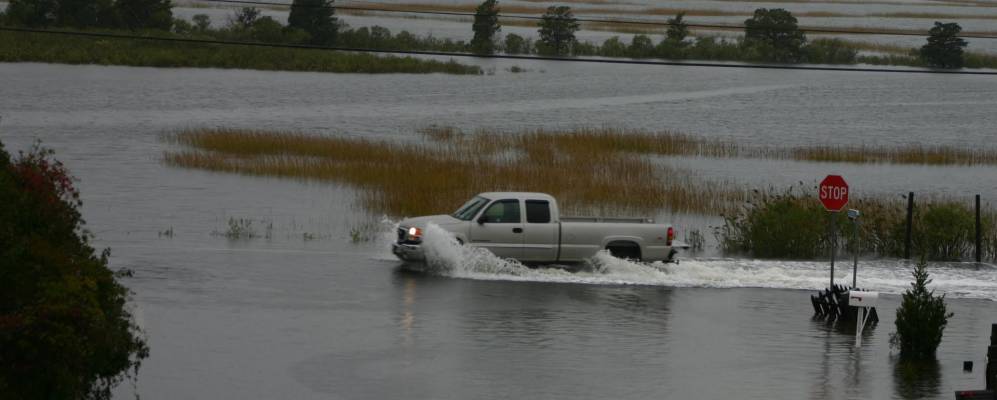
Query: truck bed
624	220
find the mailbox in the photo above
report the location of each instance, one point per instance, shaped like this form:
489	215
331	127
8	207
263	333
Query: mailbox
863	299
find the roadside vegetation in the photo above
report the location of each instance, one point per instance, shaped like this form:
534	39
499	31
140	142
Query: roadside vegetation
793	224
309	24
65	329
33	47
595	171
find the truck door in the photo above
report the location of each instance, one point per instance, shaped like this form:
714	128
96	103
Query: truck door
500	229
540	232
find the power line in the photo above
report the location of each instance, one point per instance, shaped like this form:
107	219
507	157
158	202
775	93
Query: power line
591	20
494	56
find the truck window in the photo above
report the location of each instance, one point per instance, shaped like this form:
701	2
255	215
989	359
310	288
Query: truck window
470	209
537	211
503	211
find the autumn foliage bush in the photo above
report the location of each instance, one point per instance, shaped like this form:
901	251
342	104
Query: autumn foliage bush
65	330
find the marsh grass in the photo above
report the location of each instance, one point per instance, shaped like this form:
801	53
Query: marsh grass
34	47
592	172
667	143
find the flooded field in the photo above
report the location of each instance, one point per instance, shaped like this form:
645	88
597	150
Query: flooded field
309	308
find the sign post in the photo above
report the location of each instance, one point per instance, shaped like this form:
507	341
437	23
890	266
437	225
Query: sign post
833	194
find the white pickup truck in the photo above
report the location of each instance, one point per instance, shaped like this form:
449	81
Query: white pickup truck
528	227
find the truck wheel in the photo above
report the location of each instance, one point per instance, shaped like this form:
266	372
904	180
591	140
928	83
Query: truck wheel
625	250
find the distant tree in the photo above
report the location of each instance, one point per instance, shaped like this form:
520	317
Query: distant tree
201	22
244	18
515	44
317	18
944	48
557	30
267	29
776	34
641	47
69	13
678	29
921	318
614	47
144	14
486	25
65	330
182	27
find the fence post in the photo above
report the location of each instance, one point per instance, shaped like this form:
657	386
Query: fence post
910	223
979	232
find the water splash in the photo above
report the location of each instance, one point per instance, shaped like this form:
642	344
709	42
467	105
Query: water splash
446	257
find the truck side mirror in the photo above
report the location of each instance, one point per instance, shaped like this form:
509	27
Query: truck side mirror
482	219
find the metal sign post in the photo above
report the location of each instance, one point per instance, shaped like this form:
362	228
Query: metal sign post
853	215
833	194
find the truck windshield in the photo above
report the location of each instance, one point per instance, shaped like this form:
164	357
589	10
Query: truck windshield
469	209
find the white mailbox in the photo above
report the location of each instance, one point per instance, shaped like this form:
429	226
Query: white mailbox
864	301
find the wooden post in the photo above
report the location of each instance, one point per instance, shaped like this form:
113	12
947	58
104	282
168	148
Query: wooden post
991	378
979	232
910	223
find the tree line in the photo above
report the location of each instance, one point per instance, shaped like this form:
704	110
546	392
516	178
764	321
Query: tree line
770	35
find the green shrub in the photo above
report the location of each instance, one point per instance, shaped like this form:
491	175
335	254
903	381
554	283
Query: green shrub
786	225
945	231
830	51
921	318
64	328
794	225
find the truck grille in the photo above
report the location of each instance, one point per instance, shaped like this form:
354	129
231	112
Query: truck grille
402	235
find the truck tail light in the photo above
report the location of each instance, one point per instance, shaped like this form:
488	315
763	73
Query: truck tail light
671	236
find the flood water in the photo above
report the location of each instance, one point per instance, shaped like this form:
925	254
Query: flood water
303	312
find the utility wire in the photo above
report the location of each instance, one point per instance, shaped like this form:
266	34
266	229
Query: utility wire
494	56
594	20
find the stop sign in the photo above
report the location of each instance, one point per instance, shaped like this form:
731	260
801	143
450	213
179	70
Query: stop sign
833	193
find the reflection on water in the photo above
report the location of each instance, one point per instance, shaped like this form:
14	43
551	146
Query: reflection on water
408	316
917	379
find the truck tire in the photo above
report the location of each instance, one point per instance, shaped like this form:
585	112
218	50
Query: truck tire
624	250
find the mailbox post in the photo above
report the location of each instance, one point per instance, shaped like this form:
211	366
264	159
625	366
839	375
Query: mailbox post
864	301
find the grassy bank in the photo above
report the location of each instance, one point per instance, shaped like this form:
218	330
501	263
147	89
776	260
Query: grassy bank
33	47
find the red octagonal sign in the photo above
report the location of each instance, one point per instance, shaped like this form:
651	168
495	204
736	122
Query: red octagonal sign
833	193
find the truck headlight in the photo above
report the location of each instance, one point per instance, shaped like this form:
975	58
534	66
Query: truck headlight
414	233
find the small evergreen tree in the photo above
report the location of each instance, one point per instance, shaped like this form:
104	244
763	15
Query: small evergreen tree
317	18
557	31
486	25
775	34
678	29
944	48
921	318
